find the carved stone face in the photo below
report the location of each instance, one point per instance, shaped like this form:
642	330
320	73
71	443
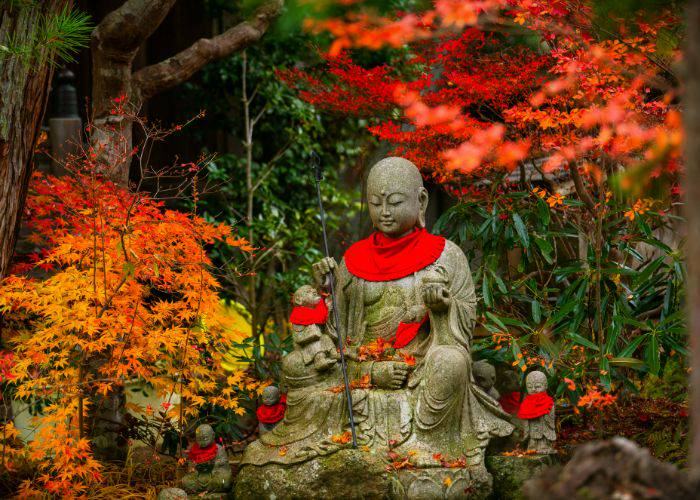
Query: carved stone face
484	375
204	435
270	395
536	382
396	197
306	296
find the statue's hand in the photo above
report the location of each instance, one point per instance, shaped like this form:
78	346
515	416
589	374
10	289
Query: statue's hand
322	269
436	296
389	374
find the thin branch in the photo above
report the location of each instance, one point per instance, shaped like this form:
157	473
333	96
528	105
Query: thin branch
581	189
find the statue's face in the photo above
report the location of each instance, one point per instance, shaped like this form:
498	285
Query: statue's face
307	296
204	435
484	375
396	197
536	382
270	395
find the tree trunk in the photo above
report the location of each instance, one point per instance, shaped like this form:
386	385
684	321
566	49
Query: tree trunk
115	43
24	89
691	101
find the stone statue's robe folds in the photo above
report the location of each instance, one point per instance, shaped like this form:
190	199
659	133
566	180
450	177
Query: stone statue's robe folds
439	409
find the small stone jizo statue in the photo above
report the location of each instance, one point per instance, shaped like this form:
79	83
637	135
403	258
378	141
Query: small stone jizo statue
485	378
537	413
316	346
210	471
272	408
509	388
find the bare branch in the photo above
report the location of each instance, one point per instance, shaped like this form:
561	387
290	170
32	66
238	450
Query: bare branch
153	79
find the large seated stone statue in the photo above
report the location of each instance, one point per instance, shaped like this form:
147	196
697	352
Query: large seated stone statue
406	305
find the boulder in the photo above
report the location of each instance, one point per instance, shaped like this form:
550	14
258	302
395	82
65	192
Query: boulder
616	468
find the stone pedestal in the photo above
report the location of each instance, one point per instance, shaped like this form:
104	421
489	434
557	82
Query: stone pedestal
348	474
354	474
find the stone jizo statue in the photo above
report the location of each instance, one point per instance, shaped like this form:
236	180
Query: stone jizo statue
272	409
210	471
485	377
414	290
316	346
509	387
537	413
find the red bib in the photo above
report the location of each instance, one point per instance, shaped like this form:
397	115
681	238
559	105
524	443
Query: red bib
200	455
273	413
535	405
510	402
302	315
380	258
406	332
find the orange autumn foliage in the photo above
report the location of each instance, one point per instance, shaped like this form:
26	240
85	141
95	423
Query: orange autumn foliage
127	295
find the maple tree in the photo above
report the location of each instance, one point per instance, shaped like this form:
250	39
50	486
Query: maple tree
119	290
498	101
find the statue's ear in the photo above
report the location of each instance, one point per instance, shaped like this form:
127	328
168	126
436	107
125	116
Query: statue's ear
423	199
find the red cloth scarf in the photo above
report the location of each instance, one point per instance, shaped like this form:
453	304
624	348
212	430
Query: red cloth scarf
510	402
271	414
200	455
406	332
302	315
535	405
380	258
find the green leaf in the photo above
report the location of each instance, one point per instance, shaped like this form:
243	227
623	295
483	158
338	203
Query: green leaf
631	347
536	311
643	226
563	311
543	211
486	292
583	341
499	282
546	249
634	363
495	319
521	230
651	354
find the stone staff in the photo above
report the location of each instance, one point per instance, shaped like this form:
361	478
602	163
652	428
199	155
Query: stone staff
316	163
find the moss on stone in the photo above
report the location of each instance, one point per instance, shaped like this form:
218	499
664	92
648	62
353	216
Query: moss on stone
510	473
350	474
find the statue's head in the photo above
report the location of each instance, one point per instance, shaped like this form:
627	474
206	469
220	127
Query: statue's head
270	395
306	296
509	381
204	435
536	382
396	197
484	374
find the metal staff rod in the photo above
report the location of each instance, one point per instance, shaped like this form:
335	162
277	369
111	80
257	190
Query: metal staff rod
316	162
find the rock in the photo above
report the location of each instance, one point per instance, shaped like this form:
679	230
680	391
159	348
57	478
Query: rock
510	473
347	473
172	494
616	468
